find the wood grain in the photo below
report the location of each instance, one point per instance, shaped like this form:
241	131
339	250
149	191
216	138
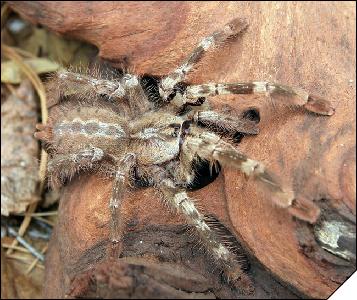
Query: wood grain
310	45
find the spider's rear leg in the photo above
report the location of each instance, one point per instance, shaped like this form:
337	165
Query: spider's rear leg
291	96
178	199
63	166
168	83
122	171
211	147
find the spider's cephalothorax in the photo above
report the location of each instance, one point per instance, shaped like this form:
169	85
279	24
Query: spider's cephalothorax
128	130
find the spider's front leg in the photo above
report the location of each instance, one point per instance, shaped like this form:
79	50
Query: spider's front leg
67	82
167	84
122	171
128	86
224	123
178	199
210	146
285	94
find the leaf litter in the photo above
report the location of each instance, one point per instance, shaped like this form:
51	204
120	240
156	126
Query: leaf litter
28	209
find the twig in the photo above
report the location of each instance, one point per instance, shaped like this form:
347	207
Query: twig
23	259
25	223
5	11
24	243
21	249
24	53
42	214
10	53
35	261
45	221
18	257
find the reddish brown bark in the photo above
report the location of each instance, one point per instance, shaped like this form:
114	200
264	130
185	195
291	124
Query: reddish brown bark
311	45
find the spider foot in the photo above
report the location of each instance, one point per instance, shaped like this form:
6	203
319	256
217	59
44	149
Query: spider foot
115	249
236	26
44	132
319	106
304	209
242	283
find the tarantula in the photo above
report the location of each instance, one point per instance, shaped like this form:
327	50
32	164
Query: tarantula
126	130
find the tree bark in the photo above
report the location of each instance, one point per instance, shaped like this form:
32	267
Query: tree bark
310	45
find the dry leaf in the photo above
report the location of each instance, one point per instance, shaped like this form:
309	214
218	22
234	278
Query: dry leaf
67	52
11	72
19	150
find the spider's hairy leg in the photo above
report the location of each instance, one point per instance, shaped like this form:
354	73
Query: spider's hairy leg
67	82
290	95
62	166
224	123
135	93
178	199
210	146
168	83
121	174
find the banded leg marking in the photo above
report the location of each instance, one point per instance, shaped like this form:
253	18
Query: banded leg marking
112	88
231	29
294	96
88	83
179	200
211	147
67	165
116	203
225	123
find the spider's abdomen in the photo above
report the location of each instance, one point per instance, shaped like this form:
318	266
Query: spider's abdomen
89	126
89	129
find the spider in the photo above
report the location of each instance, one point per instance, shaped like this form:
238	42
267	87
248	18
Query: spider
127	131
